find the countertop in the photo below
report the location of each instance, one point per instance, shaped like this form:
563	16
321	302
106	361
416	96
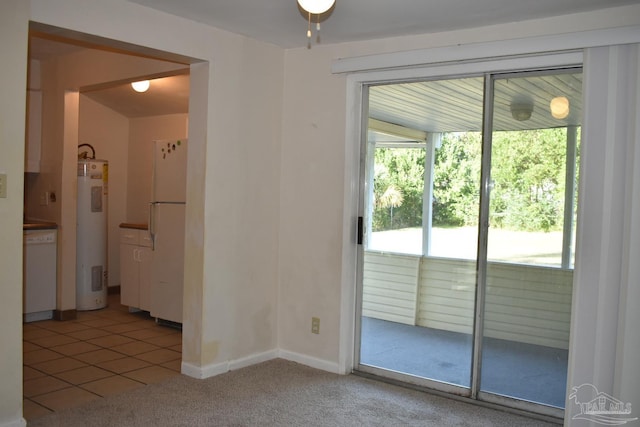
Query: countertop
38	225
137	226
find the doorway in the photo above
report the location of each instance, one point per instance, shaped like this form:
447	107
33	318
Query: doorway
97	353
468	234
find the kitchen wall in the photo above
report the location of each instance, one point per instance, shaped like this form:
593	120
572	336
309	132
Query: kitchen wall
142	131
45	181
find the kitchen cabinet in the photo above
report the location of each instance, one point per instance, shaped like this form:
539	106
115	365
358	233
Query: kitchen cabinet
34	131
135	268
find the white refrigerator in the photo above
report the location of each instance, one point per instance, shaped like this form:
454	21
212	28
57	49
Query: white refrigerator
166	227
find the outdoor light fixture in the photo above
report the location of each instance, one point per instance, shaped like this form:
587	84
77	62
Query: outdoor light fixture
141	86
521	108
559	107
315	7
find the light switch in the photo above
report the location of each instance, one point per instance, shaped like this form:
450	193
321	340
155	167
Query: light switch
3	185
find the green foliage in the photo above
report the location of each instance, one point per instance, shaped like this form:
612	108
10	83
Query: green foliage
456	179
398	186
527	171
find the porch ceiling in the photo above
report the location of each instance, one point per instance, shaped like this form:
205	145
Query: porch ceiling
456	105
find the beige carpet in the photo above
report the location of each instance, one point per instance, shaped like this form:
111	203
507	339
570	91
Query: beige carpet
279	393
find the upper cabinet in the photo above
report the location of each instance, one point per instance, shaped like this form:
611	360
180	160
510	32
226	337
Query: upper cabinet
33	131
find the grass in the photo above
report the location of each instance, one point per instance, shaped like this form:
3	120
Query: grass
523	247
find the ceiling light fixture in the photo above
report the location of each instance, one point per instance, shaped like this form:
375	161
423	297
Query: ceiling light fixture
315	7
141	86
559	107
521	107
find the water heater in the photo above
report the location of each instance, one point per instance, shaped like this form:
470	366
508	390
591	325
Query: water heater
91	237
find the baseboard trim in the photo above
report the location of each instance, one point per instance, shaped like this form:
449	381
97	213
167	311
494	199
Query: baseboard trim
65	314
208	371
254	359
214	369
202	372
20	422
313	362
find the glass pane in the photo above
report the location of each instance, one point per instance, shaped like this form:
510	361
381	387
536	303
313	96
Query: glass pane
423	175
398	185
456	189
532	207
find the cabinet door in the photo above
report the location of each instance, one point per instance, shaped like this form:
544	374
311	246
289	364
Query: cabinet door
129	275
145	277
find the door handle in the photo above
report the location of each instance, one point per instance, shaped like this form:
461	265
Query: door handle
152	224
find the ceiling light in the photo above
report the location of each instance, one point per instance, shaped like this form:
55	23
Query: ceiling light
559	107
315	7
141	86
521	108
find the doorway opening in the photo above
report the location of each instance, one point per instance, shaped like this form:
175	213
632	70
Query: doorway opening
96	353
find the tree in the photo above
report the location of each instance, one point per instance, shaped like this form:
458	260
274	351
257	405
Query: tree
391	198
527	172
456	180
398	186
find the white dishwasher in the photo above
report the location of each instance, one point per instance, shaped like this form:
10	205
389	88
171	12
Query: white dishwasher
39	273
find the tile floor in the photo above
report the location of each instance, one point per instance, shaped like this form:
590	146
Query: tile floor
101	353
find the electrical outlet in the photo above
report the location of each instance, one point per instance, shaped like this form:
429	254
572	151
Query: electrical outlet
3	185
315	325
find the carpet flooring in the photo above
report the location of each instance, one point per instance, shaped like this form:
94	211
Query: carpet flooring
524	371
279	393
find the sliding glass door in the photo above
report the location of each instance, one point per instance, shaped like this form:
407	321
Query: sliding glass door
468	234
531	211
419	266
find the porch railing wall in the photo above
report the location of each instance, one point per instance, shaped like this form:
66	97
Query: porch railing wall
524	303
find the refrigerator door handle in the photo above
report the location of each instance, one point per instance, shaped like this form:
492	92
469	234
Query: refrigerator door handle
152	224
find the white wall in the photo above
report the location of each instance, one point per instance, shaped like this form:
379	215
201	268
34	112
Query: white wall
142	132
108	133
312	190
13	47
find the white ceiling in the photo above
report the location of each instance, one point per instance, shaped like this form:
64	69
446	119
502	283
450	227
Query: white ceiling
166	95
280	22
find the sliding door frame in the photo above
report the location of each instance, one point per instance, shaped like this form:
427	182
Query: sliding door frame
489	69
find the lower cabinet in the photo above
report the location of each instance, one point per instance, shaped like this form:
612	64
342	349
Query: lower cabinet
135	268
